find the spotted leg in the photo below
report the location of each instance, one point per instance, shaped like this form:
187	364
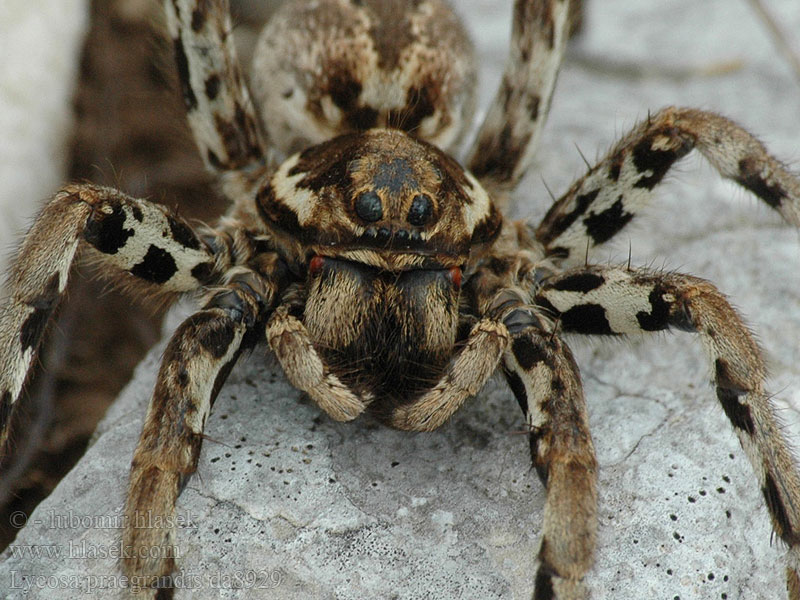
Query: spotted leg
143	244
613	301
196	362
508	137
545	380
218	104
611	193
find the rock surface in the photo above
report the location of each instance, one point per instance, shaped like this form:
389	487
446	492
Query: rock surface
287	504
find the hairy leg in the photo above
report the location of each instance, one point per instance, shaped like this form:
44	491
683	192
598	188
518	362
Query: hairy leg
602	202
218	105
545	380
196	363
306	370
508	137
613	301
142	244
463	378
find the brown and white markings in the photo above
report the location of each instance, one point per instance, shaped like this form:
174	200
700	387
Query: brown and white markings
386	278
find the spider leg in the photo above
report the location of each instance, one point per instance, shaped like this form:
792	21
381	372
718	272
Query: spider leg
609	195
218	105
609	300
142	243
197	360
467	372
508	137
545	380
307	371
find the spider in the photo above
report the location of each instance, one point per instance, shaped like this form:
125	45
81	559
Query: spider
383	274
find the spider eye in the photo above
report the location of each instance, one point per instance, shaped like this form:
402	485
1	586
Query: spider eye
369	207
421	210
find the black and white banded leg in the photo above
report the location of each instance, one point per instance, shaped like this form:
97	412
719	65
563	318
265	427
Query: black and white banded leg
218	105
616	301
196	362
612	192
142	244
542	373
507	140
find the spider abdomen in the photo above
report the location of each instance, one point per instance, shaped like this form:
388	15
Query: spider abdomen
383	333
331	66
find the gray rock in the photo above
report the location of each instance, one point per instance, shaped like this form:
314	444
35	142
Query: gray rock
288	504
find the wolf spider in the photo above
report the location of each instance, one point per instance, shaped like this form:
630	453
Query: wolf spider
383	274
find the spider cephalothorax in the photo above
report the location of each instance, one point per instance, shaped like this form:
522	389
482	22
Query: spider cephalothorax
382	273
357	65
381	198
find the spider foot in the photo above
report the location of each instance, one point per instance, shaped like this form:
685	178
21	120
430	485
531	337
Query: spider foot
793	574
148	540
549	586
